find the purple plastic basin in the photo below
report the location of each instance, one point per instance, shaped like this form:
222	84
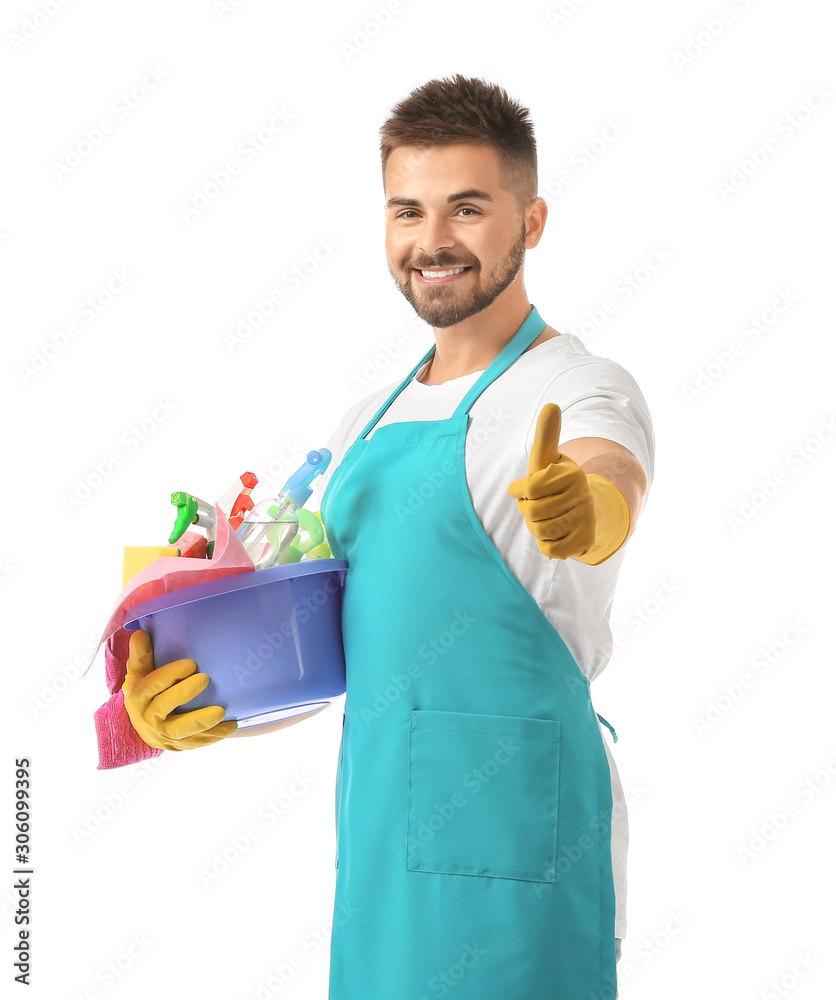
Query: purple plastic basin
269	640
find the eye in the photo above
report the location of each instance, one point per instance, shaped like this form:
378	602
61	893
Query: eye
411	211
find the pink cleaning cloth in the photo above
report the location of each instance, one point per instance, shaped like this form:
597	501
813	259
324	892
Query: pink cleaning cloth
119	743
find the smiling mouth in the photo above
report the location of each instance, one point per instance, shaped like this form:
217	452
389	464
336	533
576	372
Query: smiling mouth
458	272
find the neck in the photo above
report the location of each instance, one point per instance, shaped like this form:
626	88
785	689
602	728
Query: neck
470	346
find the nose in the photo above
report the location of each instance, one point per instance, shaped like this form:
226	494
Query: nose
431	249
433	238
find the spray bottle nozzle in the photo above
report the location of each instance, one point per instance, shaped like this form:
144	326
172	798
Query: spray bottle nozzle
297	489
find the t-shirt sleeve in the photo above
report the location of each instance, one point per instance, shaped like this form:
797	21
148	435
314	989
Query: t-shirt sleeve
343	436
601	399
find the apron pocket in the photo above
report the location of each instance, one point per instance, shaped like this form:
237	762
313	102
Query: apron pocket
483	795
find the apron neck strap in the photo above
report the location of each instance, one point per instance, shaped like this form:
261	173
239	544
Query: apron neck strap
396	392
522	339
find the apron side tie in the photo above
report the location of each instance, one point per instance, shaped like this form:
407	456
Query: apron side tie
614	737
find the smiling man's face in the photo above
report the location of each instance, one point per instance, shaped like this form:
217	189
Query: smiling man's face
445	209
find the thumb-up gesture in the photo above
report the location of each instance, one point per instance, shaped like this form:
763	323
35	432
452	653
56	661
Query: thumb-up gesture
555	498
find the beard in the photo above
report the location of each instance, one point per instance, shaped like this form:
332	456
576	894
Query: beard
450	303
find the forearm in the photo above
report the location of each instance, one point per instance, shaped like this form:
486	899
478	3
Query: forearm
617	496
626	475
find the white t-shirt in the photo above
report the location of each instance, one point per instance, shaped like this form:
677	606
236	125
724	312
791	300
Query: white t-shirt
597	398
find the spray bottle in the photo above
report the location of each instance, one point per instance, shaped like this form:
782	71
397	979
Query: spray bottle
272	524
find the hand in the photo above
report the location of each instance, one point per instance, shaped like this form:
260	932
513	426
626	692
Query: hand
555	497
151	695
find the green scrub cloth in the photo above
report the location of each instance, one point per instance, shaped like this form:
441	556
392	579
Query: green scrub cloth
473	800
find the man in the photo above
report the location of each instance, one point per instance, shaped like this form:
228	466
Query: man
459	172
481	831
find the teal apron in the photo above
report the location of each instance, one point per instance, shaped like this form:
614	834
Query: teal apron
473	797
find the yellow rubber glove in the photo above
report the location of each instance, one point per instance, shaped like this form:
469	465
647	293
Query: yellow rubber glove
152	695
570	513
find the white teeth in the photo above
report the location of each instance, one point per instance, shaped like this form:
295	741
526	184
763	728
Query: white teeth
442	274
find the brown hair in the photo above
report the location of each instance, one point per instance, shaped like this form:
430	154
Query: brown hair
463	109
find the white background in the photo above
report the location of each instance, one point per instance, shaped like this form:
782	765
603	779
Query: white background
118	853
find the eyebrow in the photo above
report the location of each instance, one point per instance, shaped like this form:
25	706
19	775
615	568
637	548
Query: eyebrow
469	195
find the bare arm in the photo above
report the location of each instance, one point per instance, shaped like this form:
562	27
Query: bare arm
614	462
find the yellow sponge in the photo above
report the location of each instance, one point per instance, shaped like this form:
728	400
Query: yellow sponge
137	557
